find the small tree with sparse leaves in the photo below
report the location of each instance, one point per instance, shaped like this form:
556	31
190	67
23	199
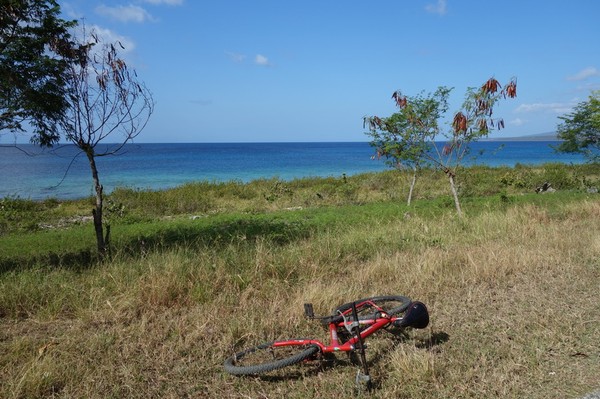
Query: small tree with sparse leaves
404	138
408	137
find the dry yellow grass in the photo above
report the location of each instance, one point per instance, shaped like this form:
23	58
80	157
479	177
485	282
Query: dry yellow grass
513	297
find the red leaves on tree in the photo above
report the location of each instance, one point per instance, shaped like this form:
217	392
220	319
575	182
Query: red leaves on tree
373	122
511	89
400	99
483	107
459	123
377	121
483	124
101	79
491	86
485	100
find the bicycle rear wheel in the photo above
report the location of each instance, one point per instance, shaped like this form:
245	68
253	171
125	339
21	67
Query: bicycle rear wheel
268	357
390	304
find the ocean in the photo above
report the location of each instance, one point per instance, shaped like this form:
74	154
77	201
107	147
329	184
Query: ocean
61	173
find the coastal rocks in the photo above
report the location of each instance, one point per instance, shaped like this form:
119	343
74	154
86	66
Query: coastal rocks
545	188
67	222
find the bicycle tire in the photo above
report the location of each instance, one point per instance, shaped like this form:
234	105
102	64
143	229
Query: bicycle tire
391	304
242	363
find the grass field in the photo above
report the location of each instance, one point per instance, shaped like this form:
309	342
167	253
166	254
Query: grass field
204	270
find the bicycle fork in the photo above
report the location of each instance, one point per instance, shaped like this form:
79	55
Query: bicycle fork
363	380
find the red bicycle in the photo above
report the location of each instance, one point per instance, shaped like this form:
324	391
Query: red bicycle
349	325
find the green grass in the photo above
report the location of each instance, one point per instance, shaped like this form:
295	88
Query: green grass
75	245
512	289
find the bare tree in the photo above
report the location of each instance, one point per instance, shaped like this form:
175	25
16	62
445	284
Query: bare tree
106	99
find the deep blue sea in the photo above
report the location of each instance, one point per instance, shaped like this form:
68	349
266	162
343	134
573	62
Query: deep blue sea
60	173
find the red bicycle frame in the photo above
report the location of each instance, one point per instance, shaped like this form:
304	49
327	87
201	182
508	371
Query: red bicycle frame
360	318
374	325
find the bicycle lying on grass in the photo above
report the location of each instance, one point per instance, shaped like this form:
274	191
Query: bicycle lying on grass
349	325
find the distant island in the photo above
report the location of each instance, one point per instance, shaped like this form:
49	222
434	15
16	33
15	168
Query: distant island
551	136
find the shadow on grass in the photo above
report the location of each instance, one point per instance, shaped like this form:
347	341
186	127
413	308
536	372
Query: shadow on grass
199	235
72	260
436	338
276	231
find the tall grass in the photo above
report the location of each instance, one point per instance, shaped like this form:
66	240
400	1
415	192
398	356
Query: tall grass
512	291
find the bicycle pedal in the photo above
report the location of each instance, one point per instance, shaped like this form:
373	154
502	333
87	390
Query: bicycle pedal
363	381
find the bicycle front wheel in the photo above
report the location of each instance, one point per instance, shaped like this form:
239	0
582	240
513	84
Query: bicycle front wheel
268	357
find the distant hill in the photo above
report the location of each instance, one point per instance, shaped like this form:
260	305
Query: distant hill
551	136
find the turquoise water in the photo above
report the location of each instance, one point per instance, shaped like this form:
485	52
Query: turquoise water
63	174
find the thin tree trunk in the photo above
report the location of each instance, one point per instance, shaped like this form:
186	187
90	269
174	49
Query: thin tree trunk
412	186
97	211
454	194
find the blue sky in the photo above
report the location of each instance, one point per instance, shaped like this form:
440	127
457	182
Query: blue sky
286	70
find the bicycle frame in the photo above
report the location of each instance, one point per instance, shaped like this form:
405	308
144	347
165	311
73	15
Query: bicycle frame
374	325
375	314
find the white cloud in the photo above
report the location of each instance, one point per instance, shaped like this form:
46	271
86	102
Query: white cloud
587	87
124	13
261	60
167	2
70	11
437	8
517	122
556	108
584	74
235	57
107	36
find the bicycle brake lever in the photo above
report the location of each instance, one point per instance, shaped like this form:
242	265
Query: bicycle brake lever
349	325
